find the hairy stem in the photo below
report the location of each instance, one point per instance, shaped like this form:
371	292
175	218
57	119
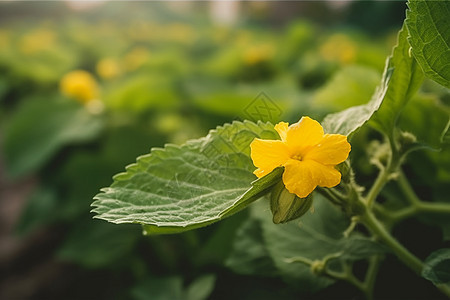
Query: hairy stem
378	229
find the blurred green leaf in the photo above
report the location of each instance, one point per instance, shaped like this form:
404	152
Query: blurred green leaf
180	188
416	119
429	36
437	267
143	92
171	288
351	119
201	288
40	128
352	85
95	244
168	288
38	211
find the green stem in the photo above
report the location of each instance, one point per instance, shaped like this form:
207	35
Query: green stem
371	275
377	228
378	185
434	207
349	277
405	186
412	210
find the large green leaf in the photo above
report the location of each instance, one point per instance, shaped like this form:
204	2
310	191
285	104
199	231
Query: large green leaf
40	128
400	80
429	31
180	188
437	267
264	248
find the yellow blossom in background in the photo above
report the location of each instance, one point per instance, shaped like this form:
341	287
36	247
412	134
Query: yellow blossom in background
308	155
339	48
108	68
179	32
257	54
37	41
80	85
5	38
136	58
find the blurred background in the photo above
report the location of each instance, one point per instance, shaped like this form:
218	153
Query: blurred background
87	86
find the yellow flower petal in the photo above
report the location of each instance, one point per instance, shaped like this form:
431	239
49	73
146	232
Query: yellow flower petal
282	129
298	178
267	155
302	177
324	176
331	150
304	134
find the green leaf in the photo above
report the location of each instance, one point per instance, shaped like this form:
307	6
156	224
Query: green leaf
406	79
201	288
357	247
171	288
429	36
437	267
39	210
348	121
350	86
167	288
250	255
40	128
265	248
82	245
400	80
180	188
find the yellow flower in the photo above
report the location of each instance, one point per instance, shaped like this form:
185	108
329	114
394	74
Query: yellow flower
308	155
108	68
80	85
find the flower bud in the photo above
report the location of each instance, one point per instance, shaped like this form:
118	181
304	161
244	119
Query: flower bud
286	206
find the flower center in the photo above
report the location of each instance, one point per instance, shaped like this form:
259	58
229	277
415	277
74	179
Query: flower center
298	157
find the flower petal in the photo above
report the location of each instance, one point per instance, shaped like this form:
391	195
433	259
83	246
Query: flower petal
302	177
304	134
298	178
282	129
331	150
267	155
325	176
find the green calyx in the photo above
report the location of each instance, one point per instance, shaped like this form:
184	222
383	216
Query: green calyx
286	206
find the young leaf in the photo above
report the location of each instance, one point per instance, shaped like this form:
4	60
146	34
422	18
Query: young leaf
437	267
400	80
180	188
429	36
